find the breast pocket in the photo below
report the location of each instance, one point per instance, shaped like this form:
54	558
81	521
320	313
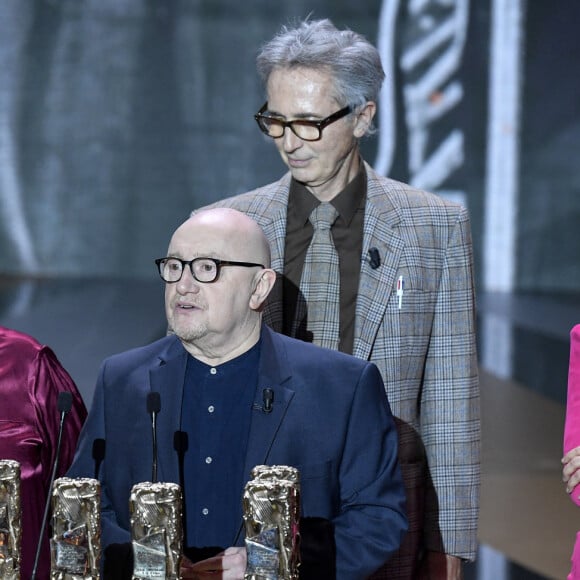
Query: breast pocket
411	312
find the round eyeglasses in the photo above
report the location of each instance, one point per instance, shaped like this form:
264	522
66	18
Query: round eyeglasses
303	128
205	270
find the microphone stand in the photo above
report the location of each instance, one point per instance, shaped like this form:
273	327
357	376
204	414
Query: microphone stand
153	407
64	406
154	436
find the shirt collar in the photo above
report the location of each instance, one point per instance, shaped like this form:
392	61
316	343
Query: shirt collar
301	201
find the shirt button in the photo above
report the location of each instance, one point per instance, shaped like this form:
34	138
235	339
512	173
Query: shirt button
211	408
205	511
208	460
213	371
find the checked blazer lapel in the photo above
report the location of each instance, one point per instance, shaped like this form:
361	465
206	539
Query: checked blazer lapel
376	285
268	206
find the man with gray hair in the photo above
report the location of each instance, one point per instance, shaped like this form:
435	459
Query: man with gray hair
375	268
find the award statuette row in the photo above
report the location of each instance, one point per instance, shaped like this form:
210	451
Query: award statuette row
156	510
271	505
10	527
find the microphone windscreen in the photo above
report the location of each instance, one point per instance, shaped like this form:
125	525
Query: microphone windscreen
99	449
64	402
180	441
375	258
153	402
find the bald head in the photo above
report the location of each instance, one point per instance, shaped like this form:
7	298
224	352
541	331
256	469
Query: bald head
240	237
219	318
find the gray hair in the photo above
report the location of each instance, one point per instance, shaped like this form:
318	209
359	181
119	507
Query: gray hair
352	60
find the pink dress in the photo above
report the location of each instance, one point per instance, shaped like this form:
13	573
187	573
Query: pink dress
572	429
30	379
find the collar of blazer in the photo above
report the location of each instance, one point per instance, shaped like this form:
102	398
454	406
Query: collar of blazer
168	375
268	206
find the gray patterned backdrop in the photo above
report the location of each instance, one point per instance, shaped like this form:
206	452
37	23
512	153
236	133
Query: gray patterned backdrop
117	117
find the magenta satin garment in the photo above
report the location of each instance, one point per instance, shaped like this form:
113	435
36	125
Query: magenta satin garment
572	424
572	429
30	379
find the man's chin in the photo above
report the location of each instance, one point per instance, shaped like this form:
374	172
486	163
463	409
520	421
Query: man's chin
299	174
188	334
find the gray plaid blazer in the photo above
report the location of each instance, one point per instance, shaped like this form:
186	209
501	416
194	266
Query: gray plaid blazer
425	351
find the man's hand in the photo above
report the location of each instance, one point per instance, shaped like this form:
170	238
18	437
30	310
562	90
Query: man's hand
229	565
571	469
438	566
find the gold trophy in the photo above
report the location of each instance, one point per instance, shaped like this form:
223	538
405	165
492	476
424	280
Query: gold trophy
271	506
156	530
10	520
75	545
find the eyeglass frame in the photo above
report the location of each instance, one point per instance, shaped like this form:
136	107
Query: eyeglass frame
218	263
320	125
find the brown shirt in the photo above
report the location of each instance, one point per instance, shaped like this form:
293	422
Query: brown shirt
347	233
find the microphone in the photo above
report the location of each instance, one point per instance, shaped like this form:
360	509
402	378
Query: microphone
180	442
98	454
153	408
181	445
267	399
375	258
64	405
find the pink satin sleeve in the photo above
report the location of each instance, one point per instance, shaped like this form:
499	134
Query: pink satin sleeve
572	424
31	378
575	570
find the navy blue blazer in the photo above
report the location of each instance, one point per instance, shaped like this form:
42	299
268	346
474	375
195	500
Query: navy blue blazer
330	419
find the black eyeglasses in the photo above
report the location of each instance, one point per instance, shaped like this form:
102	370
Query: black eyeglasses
205	270
303	128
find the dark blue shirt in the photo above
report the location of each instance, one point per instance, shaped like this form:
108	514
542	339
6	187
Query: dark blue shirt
216	414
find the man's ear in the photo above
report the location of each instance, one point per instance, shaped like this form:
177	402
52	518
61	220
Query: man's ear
265	281
364	119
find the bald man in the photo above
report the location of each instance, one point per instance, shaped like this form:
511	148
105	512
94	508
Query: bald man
328	417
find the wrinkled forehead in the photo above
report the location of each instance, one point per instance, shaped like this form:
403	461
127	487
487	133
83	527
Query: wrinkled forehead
197	239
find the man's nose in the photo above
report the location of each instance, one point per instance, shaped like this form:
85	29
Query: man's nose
290	140
187	283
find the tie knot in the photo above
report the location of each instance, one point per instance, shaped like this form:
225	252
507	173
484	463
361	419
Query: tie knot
323	216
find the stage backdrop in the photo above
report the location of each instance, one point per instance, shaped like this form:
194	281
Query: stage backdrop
118	117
